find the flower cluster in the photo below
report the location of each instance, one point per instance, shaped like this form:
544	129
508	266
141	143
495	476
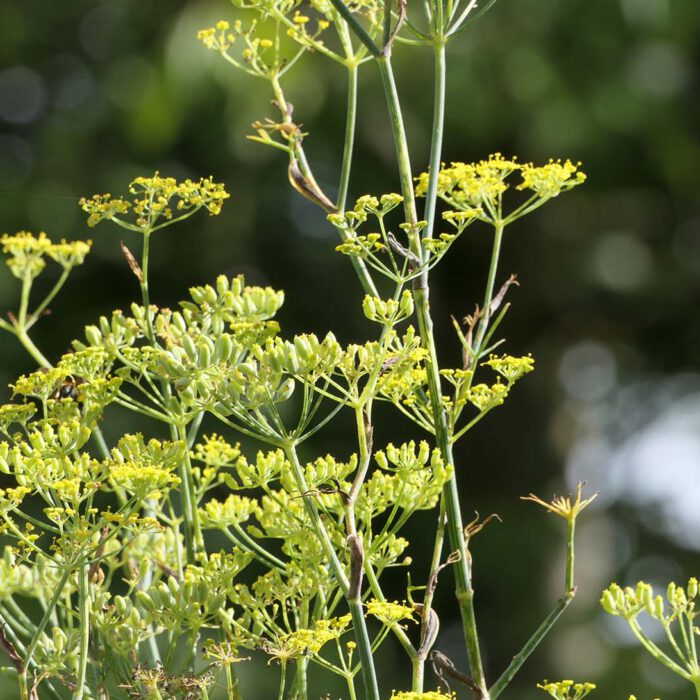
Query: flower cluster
26	253
477	189
429	695
567	690
154	201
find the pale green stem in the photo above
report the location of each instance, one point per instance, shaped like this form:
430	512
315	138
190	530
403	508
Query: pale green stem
464	591
84	618
696	684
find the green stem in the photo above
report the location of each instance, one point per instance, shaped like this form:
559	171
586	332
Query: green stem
519	659
32	349
39	630
490	285
400	141
436	143
570	554
283	675
464	591
350	120
145	294
419	663
194	540
84	618
50	296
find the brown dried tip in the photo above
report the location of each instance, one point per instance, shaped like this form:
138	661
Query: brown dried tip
309	189
498	299
131	260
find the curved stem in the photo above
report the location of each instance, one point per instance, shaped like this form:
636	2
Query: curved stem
31	348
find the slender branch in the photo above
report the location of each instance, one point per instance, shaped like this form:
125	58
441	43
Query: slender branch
436	143
84	619
519	659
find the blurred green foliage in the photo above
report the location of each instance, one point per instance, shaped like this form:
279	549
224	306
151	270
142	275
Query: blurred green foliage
94	93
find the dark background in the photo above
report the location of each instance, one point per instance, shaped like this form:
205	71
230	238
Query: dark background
93	94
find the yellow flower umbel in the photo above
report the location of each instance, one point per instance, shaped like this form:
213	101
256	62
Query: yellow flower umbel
478	188
567	690
564	506
156	202
430	695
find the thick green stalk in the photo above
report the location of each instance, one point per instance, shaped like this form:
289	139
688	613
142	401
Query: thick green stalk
455	528
84	619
